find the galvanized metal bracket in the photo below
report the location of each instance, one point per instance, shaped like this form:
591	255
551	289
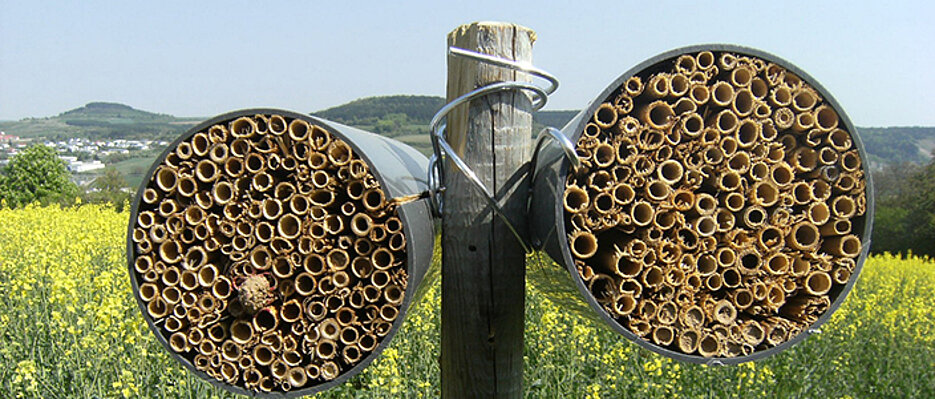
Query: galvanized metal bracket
443	150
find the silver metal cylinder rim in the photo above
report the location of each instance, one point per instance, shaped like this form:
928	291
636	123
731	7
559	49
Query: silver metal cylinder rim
575	128
409	213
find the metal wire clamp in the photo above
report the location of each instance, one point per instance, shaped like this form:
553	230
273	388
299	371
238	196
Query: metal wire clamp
443	150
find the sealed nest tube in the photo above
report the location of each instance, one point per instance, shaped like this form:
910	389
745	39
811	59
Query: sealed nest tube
274	253
722	209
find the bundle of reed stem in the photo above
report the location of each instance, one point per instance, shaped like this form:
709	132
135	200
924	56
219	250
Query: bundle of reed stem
267	254
713	211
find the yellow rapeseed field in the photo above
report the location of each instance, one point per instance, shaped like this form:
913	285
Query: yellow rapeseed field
70	328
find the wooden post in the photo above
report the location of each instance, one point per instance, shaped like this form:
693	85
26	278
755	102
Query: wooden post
483	264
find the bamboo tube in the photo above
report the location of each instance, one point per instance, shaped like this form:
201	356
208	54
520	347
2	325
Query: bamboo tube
781	96
722	94
782	175
206	171
749	261
741	76
605	116
663	335
148	292
604	155
583	244
729	181
207	348
171	295
821	190
683	200
839	139
267	384
657	87
305	284
841	274
339	153
657	115
291	311
166	179
730	278
770	238
803	236
748	133
803	122
624	304
818	213
288	226
241	332
705	226
803	99
704	204
665	220
167	208
764	193
184	151
759	88
207	275
688	340
742	298
775	296
264	231
265	319
724	312
836	227
652	277
169	251
657	191
679	85
231	351
157	308
709	345
642	215
150	196
818	283
845	182
329	370
843	207
179	343
848	245
317	161
685	64
743	102
754	216
260	258
670	172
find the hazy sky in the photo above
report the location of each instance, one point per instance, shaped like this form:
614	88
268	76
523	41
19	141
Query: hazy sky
202	58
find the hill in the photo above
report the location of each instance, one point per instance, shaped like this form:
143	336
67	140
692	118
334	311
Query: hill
101	121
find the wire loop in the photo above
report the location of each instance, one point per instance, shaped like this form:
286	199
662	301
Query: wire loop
443	150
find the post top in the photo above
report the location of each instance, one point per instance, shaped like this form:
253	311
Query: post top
489	26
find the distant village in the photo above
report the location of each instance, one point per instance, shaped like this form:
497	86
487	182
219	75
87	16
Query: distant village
80	155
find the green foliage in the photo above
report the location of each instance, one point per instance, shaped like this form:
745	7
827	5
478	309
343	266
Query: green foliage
889	145
36	174
111	187
905	209
370	110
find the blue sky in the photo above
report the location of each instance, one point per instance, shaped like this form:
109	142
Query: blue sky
208	57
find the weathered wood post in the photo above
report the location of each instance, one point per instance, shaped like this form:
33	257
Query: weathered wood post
483	270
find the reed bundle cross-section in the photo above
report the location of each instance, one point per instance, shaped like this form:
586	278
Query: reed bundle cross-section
268	255
721	206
